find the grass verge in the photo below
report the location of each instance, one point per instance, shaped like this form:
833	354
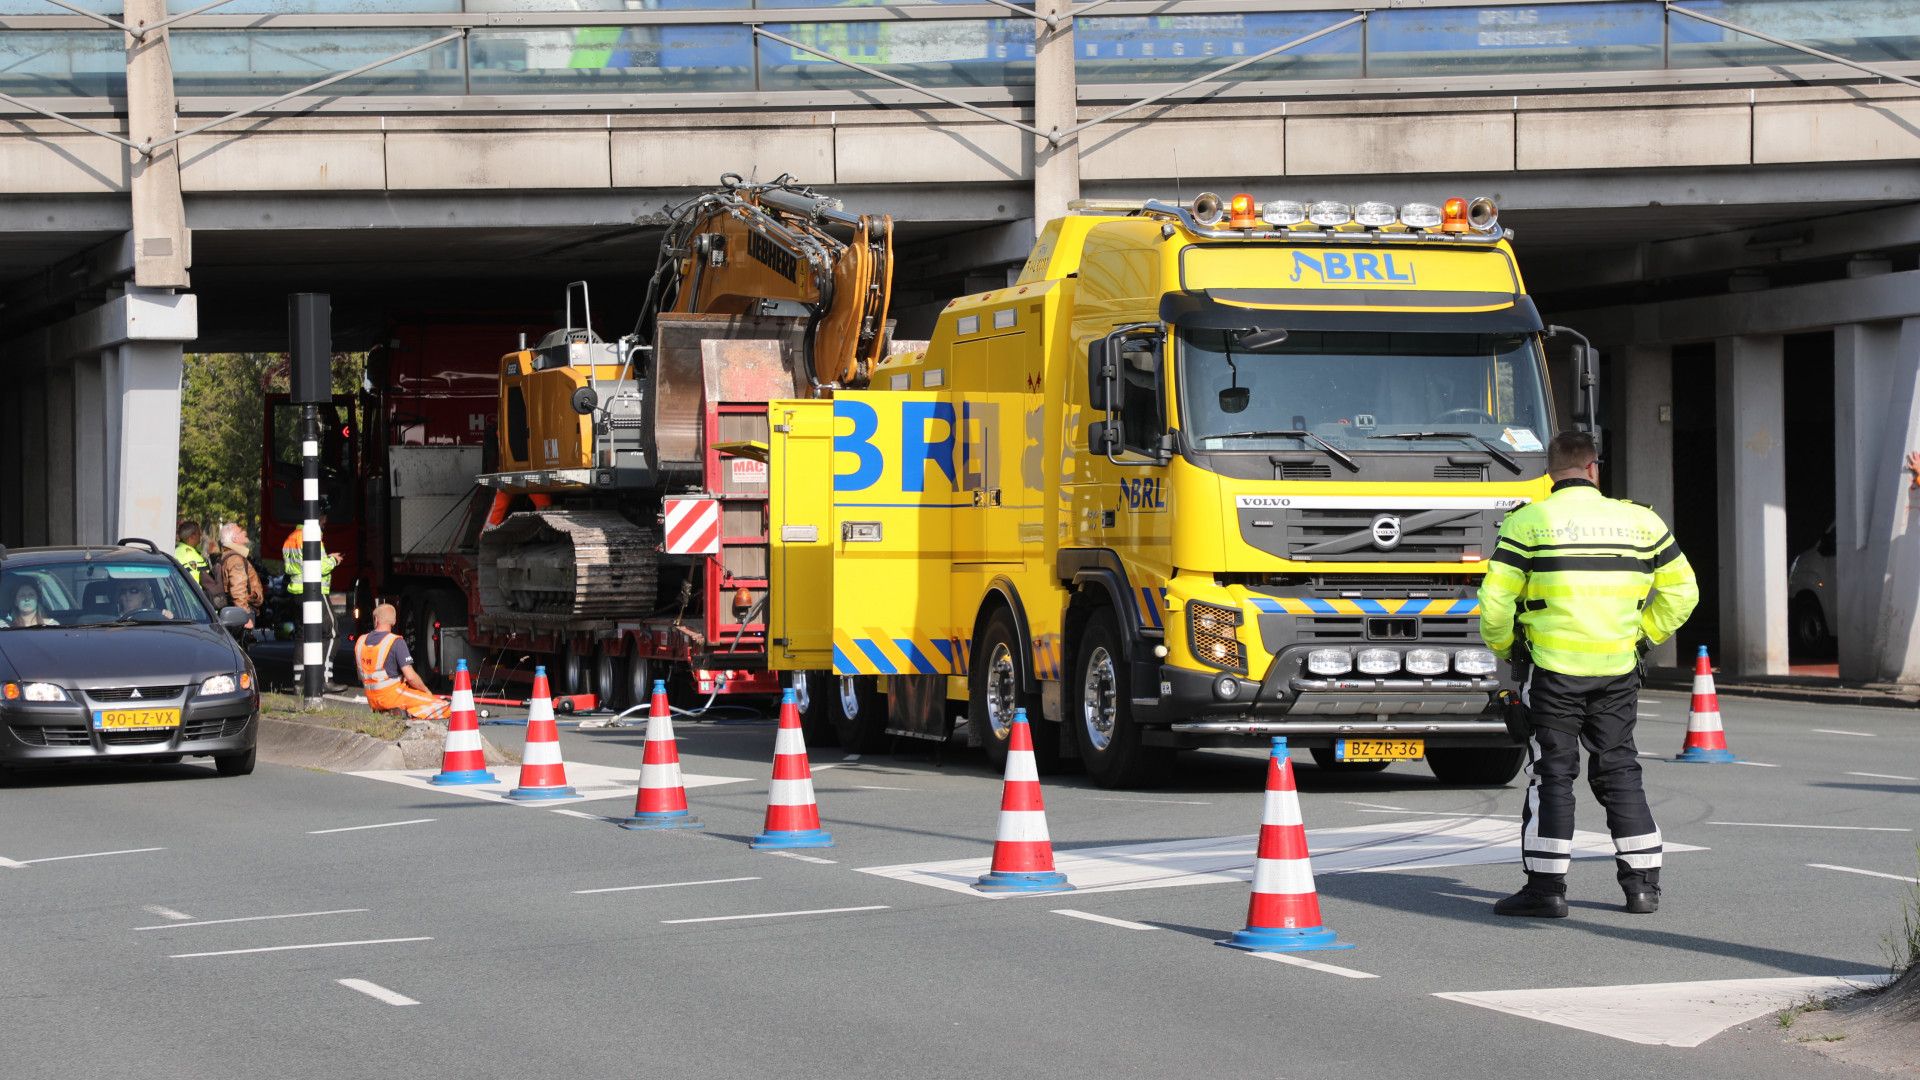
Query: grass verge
335	715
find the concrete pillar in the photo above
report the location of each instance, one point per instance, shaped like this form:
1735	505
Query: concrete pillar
36	458
1877	503
12	464
1753	504
60	449
1056	170
146	442
89	452
1642	440
161	244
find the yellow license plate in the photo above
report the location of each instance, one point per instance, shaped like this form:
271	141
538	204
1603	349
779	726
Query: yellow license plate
1380	749
122	719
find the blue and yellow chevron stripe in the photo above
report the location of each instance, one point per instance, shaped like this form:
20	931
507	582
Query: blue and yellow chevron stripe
876	652
1150	600
1049	658
1312	605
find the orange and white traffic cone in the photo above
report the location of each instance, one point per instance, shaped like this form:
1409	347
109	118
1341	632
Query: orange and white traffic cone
542	774
1284	914
1022	850
793	817
464	761
1706	742
662	799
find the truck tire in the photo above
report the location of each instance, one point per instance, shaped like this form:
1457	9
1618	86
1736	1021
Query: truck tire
813	692
1494	767
609	677
573	671
641	671
433	609
1323	757
993	693
859	713
1100	708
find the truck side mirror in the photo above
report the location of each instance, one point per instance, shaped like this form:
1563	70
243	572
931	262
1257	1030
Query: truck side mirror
1098	372
1102	437
1585	364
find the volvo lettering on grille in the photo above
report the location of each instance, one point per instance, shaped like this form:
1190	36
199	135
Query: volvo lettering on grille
1386	532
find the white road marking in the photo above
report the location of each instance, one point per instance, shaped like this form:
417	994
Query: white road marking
823	768
165	912
1649	716
1441	813
1645	753
850	759
1091	917
90	855
775	914
376	991
591	781
382	825
1754	764
1381	806
802	858
254	918
1665	1014
1882	776
1162	802
293	948
10	864
1832	828
1419	843
1315	965
663	885
1869	873
581	814
881	787
1856	734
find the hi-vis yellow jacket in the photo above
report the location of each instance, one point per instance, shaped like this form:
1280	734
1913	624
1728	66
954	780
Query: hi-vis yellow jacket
1578	566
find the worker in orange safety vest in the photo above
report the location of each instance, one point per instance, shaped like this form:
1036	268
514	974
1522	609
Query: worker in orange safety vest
386	670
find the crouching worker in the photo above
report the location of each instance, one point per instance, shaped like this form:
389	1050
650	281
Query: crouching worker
386	670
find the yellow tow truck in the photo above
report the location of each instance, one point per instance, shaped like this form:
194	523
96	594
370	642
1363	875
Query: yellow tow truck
1203	474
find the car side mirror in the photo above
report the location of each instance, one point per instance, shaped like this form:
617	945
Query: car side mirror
1097	375
234	619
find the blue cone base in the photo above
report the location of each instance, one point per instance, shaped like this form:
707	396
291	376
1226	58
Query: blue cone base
670	819
1046	881
1279	939
533	794
1697	756
464	776
793	838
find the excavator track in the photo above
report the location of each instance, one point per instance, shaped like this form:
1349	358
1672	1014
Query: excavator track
571	564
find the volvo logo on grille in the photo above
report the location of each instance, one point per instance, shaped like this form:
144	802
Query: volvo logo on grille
1386	532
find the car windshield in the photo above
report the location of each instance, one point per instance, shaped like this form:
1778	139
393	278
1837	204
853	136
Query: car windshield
97	592
1363	390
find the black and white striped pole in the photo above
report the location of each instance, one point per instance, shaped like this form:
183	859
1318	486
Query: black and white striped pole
310	317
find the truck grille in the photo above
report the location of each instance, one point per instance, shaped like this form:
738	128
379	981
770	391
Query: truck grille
1438	629
1340	534
125	693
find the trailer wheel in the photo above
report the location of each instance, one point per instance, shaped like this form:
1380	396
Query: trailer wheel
1101	710
609	678
1479	768
432	611
993	693
813	692
641	672
859	713
574	667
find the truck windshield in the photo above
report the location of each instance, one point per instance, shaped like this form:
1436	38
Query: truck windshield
1357	390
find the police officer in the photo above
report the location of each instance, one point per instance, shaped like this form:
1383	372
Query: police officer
187	552
1578	567
291	554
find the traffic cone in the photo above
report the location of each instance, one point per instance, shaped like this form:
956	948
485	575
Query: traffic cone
1284	914
542	774
1706	740
662	800
463	761
1022	852
793	818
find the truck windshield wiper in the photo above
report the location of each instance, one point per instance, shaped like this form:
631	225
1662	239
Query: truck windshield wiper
1498	454
1294	433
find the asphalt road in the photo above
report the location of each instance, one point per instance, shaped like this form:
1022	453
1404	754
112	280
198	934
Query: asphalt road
222	951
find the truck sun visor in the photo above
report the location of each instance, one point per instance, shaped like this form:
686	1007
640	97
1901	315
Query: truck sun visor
1233	309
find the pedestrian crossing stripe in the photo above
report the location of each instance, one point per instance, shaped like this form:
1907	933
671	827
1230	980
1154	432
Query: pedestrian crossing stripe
875	652
1313	605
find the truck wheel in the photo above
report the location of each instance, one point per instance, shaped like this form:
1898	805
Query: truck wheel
1323	757
859	714
1480	768
609	677
993	693
573	671
1101	710
812	692
641	672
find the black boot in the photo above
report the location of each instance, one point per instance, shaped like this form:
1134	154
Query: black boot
1533	905
1643	903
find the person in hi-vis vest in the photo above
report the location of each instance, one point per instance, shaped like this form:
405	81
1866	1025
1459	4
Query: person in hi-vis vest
291	551
386	670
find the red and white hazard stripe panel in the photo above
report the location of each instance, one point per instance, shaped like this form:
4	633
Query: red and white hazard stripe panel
693	526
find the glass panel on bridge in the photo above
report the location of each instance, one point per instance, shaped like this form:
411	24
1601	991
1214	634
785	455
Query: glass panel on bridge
330	7
62	63
972	52
251	62
612	59
1871	31
1176	48
1550	37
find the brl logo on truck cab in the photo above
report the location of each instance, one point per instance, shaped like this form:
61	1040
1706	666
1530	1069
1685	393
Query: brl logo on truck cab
1146	494
1353	267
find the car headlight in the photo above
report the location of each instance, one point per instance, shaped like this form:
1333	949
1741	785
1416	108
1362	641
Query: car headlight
36	691
1329	661
1378	661
1427	661
1474	662
1213	633
218	684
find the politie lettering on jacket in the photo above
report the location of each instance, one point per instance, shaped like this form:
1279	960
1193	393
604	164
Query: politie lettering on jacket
1354	266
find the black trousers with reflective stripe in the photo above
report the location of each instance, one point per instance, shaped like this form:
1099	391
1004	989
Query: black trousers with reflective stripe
1597	712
